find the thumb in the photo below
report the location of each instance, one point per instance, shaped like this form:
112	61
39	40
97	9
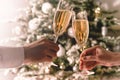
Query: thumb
98	51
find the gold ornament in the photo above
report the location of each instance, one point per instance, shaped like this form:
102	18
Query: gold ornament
97	12
62	66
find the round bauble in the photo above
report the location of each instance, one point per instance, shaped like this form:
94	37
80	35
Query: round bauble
46	7
70	32
75	68
19	30
34	24
61	51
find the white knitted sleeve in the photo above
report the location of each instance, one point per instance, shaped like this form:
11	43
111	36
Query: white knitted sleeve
11	57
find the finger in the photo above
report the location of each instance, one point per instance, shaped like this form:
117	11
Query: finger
50	44
47	41
89	51
51	53
92	48
47	58
89	58
81	65
37	41
41	41
105	64
53	46
91	64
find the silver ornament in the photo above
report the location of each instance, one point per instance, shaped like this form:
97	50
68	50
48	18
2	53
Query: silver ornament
46	7
47	70
68	44
70	32
61	73
104	31
72	51
75	68
77	60
62	66
61	51
19	30
34	24
71	60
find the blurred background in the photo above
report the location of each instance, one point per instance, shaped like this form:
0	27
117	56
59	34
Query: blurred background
24	21
9	10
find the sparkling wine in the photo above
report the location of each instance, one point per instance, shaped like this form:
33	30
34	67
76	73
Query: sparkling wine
61	21
81	31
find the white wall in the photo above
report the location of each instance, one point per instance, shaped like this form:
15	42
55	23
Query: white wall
9	8
8	11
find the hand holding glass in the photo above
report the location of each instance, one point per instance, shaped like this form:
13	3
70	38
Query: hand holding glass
81	32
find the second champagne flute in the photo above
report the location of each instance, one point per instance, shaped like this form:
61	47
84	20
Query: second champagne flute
81	31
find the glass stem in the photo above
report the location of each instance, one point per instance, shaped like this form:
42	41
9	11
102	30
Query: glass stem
59	4
82	48
56	38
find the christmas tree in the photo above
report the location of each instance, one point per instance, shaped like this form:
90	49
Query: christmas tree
38	22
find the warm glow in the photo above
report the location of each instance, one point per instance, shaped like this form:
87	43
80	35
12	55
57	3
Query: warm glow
9	9
116	3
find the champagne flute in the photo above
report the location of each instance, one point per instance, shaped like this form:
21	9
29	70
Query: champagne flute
61	20
81	31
